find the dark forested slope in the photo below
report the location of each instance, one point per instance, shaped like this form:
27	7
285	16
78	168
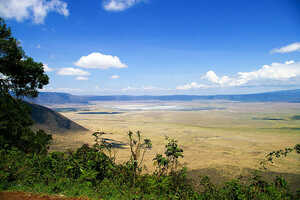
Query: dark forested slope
51	121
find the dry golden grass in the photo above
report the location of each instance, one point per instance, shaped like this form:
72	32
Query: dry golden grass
229	140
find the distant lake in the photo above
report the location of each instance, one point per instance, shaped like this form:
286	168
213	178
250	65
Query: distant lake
201	108
100	113
69	109
148	107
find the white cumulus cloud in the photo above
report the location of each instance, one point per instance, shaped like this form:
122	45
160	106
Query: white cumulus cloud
287	49
119	5
100	61
36	10
212	77
69	71
115	77
275	71
144	88
190	86
47	68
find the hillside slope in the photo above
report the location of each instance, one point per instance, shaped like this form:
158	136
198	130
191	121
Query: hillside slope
51	121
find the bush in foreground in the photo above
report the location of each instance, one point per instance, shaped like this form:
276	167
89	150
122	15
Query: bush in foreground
88	171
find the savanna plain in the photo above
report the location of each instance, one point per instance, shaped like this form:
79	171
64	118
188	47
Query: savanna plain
221	139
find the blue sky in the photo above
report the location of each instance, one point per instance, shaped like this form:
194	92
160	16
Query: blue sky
161	46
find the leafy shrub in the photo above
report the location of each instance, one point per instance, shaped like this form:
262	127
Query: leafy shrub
168	164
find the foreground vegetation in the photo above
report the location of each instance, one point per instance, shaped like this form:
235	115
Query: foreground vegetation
91	171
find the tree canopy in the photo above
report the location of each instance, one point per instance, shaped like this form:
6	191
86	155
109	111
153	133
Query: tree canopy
19	73
19	76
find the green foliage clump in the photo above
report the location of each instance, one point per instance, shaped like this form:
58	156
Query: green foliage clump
18	72
59	172
89	171
22	76
168	164
278	154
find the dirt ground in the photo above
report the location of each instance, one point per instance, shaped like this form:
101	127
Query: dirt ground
30	196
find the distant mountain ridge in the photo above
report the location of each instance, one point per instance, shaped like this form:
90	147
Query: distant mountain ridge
57	98
63	98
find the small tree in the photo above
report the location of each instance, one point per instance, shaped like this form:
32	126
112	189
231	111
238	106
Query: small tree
138	148
169	163
101	144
